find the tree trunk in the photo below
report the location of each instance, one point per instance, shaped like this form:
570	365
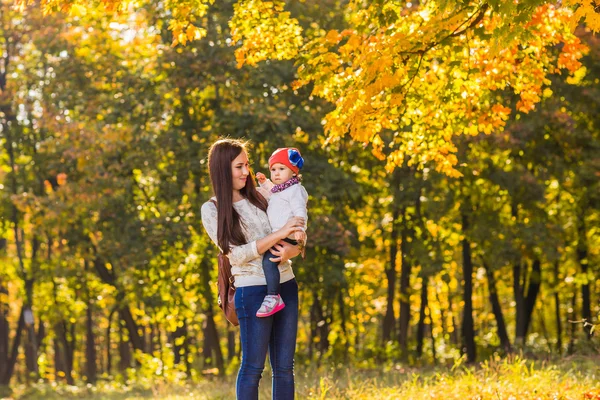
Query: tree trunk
497	310
405	271
433	352
582	258
518	290
324	323
159	346
525	304
68	349
321	328
231	343
181	348
150	342
559	344
124	349
533	290
60	362
545	330
422	316
313	328
468	330
108	276
186	350
454	336
4	330
90	338
31	353
571	317
41	336
14	350
177	339
442	315
390	273
108	341
211	349
9	117
63	362
343	324
211	335
136	339
90	346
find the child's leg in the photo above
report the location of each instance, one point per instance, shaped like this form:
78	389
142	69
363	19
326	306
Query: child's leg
271	270
272	302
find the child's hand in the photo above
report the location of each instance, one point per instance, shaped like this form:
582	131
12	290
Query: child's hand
300	237
261	177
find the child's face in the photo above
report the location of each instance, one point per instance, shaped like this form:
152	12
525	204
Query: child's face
280	173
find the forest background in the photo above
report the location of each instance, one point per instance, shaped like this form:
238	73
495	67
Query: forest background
452	159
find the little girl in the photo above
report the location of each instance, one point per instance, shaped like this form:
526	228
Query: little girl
287	198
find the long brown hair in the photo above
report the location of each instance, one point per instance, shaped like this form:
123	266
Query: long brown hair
229	224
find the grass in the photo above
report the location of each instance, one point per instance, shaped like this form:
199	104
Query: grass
508	379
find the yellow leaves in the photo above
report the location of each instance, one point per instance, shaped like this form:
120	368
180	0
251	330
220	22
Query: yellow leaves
528	101
193	33
395	100
577	76
411	78
47	187
183	34
333	37
61	179
77	10
352	44
471	130
298	83
378	144
265	31
395	159
485	128
184	15
586	10
433	228
570	54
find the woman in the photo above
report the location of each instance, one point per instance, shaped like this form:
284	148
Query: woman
240	227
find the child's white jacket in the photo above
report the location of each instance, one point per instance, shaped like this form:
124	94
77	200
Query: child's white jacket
283	205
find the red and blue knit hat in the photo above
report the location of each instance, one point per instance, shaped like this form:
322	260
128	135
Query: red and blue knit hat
288	156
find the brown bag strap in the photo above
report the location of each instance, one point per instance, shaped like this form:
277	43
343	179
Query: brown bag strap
224	260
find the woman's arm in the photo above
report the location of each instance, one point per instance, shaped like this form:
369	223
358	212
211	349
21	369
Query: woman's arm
243	253
292	225
284	251
237	255
208	213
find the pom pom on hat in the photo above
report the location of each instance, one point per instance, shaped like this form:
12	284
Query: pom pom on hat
288	156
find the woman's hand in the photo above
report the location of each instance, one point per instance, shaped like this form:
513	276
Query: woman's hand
293	225
284	251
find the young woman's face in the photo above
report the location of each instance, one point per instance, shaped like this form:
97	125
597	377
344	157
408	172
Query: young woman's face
280	173
240	171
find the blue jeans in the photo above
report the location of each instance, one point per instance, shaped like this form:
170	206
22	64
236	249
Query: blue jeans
276	333
271	270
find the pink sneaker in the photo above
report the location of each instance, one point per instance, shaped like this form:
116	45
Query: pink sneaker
270	305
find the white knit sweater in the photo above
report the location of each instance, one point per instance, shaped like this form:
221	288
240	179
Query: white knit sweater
246	263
